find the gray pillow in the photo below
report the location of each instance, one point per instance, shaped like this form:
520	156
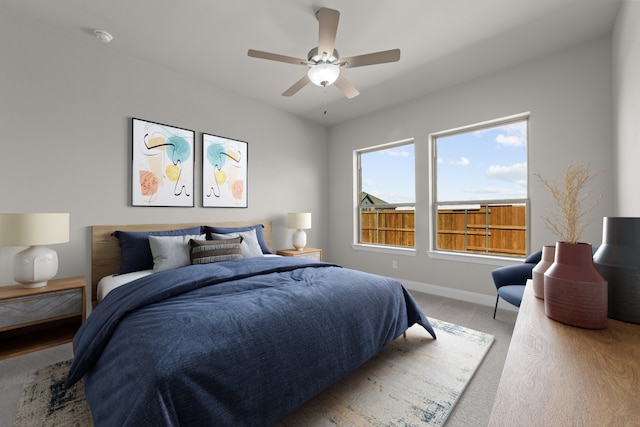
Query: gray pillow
250	246
171	252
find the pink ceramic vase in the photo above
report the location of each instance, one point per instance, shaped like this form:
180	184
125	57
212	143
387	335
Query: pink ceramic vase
537	274
575	293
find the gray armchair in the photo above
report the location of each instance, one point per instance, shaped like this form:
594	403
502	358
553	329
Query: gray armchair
511	280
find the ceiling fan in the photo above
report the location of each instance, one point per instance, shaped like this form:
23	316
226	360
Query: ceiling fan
323	61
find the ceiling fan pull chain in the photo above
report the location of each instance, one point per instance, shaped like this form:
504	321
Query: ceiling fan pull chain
325	100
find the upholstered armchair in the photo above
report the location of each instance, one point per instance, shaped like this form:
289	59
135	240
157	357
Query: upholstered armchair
511	280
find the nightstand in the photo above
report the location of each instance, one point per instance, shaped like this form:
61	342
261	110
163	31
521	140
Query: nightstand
309	253
39	318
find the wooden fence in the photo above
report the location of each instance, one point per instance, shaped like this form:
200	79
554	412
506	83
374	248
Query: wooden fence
493	229
388	227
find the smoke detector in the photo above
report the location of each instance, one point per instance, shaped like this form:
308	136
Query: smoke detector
103	36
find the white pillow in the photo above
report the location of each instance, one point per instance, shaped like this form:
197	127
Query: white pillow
109	283
171	252
249	247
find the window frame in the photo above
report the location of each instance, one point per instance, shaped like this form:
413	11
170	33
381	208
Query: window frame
478	257
357	237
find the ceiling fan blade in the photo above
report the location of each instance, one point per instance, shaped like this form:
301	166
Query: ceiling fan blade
297	86
392	55
328	23
276	57
346	87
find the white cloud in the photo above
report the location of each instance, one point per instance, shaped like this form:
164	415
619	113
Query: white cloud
513	135
516	173
510	140
463	161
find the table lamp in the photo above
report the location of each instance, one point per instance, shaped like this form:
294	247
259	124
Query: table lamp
37	264
299	222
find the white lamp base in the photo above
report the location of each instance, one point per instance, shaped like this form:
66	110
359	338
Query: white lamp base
34	266
299	239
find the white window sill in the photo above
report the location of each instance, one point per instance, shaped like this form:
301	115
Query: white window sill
395	250
448	256
475	258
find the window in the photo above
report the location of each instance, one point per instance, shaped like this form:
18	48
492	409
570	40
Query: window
480	188
386	194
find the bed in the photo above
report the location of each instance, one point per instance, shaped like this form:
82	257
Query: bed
239	341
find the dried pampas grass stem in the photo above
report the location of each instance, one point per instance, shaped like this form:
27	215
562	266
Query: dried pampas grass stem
568	221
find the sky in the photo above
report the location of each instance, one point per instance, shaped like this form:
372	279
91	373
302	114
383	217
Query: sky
488	164
389	174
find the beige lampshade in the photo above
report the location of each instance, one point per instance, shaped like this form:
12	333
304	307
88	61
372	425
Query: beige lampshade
299	221
30	229
35	266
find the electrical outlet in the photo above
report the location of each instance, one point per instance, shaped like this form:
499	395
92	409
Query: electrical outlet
394	264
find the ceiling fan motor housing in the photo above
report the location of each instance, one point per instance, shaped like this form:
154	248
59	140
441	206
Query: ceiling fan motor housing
316	57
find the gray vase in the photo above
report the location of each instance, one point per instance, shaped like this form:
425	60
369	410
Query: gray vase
618	260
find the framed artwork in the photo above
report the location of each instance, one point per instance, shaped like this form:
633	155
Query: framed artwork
224	172
163	163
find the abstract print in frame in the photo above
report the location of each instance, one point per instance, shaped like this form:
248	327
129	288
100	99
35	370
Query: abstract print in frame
163	163
224	172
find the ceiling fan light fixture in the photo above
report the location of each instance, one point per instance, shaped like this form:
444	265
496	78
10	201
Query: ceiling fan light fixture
323	74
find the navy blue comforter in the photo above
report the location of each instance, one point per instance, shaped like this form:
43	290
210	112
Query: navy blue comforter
235	343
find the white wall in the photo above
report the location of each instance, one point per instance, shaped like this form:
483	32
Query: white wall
569	97
626	66
66	102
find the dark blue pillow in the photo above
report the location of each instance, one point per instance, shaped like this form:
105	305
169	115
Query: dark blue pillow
226	230
135	250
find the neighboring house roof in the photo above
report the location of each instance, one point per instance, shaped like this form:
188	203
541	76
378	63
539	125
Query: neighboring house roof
369	199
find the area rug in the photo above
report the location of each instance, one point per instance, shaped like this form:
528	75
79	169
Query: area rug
46	402
413	381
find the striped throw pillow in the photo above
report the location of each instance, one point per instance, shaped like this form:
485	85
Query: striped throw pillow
208	251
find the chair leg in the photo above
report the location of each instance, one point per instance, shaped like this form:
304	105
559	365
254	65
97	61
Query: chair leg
496	307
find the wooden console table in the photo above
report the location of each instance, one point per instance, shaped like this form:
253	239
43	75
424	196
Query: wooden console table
559	375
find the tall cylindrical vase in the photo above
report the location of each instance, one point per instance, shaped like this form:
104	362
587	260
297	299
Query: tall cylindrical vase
575	293
537	274
618	260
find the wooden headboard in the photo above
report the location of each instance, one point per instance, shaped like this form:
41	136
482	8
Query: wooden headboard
105	249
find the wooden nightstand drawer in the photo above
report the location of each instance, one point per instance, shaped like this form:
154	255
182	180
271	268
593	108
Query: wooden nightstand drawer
308	253
34	309
33	319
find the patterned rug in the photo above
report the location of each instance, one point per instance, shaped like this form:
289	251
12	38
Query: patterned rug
46	402
413	381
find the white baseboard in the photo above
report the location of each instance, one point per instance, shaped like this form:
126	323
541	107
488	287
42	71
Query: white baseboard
458	294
